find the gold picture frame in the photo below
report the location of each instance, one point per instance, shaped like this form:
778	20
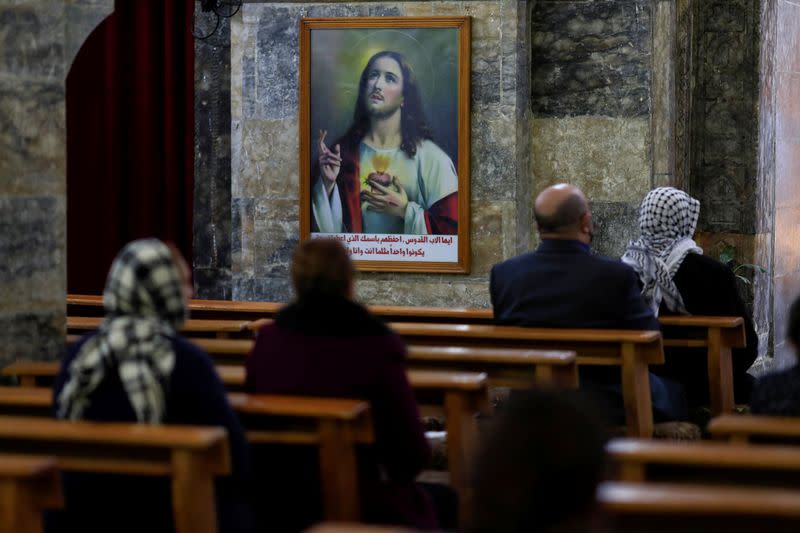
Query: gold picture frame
385	140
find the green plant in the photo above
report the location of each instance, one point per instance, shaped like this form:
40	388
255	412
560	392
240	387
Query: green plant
727	255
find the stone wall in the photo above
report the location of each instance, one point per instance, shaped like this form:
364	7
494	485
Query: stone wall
264	147
38	42
592	107
720	99
212	192
783	82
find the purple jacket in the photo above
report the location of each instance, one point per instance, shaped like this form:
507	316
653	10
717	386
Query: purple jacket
324	346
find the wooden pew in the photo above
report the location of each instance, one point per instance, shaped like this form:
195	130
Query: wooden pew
632	350
335	425
333	527
661	507
718	335
743	428
462	394
639	460
190	455
29	485
221	329
92	305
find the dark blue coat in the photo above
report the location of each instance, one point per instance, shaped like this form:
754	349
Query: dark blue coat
563	285
195	396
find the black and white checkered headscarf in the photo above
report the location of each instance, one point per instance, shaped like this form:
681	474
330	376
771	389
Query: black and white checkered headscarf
667	221
144	307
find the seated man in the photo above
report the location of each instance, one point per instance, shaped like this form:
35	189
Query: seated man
562	285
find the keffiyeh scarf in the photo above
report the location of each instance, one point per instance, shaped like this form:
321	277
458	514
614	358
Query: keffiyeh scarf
144	306
667	221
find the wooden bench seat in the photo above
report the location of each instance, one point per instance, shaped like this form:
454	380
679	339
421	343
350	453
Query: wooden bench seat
221	329
190	456
640	460
631	350
335	425
92	305
718	335
667	507
461	394
744	428
29	485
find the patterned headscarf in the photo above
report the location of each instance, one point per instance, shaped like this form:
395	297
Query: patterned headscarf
667	221
144	307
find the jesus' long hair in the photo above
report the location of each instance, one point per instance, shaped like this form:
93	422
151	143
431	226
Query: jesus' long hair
413	124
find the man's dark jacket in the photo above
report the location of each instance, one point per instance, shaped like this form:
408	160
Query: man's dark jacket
562	285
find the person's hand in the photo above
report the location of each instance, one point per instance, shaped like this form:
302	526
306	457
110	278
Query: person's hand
329	162
385	200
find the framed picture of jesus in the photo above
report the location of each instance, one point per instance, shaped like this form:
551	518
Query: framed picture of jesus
384	140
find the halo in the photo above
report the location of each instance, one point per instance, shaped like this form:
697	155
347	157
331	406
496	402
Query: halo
398	41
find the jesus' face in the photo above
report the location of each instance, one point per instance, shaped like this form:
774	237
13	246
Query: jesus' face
384	87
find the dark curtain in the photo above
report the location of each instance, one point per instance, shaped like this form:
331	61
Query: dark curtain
130	137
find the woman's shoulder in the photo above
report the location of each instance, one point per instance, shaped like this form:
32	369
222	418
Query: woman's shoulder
699	263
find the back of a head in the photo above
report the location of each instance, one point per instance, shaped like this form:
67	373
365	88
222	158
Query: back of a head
322	266
558	210
793	329
539	469
668	213
146	281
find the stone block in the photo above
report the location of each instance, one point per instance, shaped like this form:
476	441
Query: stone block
494	168
32	41
32	237
262	289
242	232
32	137
82	19
787	102
608	158
591	58
492	238
212	283
787	173
268	159
615	224
423	292
32	335
787	241
276	64
787	45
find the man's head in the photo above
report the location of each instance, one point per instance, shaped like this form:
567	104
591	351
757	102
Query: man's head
322	266
540	464
562	212
388	84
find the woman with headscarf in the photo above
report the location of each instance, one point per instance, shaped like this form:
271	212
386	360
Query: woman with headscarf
137	368
677	278
326	344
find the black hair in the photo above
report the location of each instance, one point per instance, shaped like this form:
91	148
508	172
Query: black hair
794	324
539	468
413	124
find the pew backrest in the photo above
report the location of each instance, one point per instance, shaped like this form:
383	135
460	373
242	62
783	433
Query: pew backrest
662	507
29	485
718	335
744	428
336	426
704	462
191	456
